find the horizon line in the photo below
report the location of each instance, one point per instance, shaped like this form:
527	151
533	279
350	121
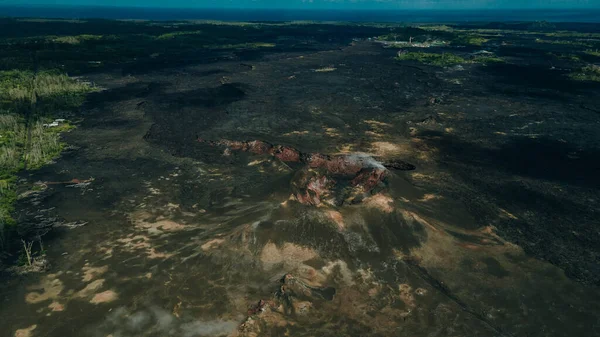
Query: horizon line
303	8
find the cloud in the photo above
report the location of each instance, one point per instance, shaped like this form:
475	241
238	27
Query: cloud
155	321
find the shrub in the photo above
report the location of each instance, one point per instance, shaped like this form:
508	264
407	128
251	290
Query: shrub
488	59
441	60
469	40
587	73
168	36
16	85
593	52
44	146
564	42
19	91
12	137
56	91
77	39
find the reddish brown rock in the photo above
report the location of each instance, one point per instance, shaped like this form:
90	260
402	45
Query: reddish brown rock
259	147
260	307
293	297
369	178
287	154
313	185
315	160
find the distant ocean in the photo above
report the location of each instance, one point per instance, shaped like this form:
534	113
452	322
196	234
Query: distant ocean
168	14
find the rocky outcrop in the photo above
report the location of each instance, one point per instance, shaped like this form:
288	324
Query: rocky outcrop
293	298
353	176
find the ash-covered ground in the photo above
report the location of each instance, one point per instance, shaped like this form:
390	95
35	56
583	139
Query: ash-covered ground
473	209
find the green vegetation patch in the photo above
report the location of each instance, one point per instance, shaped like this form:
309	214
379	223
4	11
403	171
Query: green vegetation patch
12	141
12	138
168	36
406	33
461	37
564	42
448	59
15	85
593	52
44	145
440	60
469	40
29	137
587	73
251	45
76	39
488	59
572	34
55	91
8	197
439	28
570	57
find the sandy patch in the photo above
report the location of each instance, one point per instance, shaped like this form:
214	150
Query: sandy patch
421	291
154	191
90	288
429	197
172	207
488	230
373	134
89	273
345	149
165	225
160	226
406	295
381	202
52	287
444	250
104	297
141	243
332	132
56	306
420	176
310	276
386	149
377	124
296	133
302	307
141	220
212	244
425	152
414	216
290	255
256	162
340	268
153	254
136	242
27	332
325	70
507	214
337	218
107	251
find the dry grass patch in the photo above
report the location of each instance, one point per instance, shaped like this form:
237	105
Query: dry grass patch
325	70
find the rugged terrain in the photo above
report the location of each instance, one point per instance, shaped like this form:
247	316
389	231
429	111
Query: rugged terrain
166	224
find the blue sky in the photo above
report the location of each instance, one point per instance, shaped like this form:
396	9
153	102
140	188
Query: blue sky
320	4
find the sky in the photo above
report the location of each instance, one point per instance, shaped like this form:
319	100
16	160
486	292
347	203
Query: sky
323	4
